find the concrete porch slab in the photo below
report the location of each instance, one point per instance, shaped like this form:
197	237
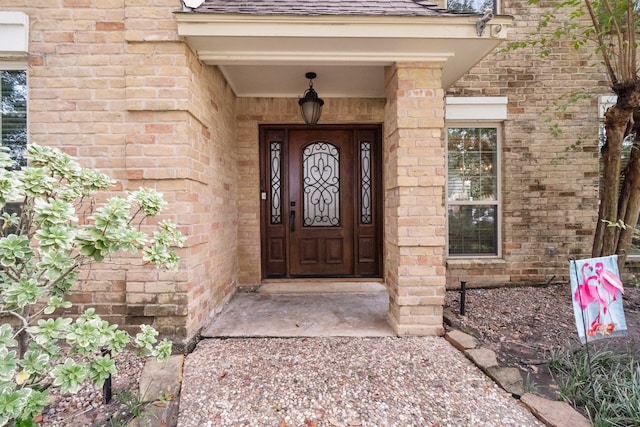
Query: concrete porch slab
303	315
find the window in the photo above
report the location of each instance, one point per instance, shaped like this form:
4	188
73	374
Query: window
472	6
13	113
14	45
473	191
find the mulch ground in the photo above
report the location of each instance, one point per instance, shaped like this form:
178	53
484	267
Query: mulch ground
524	325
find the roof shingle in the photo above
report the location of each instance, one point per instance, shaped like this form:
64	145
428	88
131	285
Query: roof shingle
323	7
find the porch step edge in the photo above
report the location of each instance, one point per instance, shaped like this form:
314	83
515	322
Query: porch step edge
320	287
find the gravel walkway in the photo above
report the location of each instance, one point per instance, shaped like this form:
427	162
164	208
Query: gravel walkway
307	382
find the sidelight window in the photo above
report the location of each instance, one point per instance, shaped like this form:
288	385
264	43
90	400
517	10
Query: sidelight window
366	213
275	166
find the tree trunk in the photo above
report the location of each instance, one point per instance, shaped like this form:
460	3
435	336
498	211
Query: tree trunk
616	128
630	196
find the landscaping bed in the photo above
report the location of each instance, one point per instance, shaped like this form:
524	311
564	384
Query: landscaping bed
527	327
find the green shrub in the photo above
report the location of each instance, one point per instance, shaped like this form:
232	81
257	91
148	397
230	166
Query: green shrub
51	225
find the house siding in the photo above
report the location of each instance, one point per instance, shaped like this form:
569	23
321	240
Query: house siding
549	193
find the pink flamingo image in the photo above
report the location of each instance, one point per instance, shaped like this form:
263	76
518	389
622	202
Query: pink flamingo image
586	293
603	295
609	280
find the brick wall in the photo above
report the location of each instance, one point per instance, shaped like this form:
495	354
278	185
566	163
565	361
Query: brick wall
110	83
549	194
76	102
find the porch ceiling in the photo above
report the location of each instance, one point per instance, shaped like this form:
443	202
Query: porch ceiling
268	56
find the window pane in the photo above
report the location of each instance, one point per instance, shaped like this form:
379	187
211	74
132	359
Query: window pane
471	6
276	182
13	117
472	168
473	230
365	183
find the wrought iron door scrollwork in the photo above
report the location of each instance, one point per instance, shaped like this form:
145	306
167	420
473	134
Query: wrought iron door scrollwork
321	185
275	160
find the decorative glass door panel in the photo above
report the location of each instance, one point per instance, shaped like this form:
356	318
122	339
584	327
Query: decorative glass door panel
321	210
321	185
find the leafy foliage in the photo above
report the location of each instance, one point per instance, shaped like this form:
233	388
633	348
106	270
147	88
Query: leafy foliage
606	383
59	229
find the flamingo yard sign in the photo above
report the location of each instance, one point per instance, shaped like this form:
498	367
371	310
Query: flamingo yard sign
596	292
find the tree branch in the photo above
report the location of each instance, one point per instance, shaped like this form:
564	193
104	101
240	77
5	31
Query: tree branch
604	48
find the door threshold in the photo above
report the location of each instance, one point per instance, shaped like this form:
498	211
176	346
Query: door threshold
320	286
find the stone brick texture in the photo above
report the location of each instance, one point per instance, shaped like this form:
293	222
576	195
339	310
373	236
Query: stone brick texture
414	165
549	190
111	84
414	275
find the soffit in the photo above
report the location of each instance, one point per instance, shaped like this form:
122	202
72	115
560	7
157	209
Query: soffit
268	55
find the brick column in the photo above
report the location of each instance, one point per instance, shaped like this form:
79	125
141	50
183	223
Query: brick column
414	157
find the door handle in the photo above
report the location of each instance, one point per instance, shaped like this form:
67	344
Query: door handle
292	220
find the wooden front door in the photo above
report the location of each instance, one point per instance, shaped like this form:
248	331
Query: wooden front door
320	191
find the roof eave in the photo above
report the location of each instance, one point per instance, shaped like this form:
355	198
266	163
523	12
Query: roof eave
446	26
246	40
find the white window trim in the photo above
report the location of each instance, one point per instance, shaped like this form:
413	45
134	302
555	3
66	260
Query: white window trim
604	102
14	34
13	65
499	125
476	108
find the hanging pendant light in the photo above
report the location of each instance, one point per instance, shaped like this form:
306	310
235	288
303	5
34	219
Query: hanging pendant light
310	104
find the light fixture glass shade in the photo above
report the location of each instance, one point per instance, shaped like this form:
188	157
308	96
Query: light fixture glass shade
310	104
311	110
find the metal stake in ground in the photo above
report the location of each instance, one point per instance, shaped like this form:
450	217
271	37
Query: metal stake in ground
107	390
463	297
586	335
